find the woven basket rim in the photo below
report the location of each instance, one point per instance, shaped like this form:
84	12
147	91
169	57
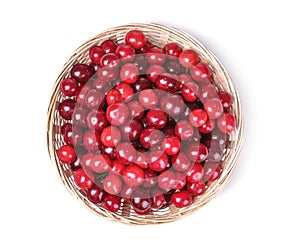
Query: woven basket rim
210	58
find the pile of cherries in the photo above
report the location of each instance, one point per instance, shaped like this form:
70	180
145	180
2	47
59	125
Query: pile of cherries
143	125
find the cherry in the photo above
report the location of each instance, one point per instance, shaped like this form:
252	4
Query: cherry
73	135
150	138
174	67
96	194
125	52
95	53
131	130
165	82
181	199
141	159
185	78
136	110
110	61
158	160
155	56
114	96
66	108
109	46
94	99
112	203
195	174
181	162
110	136
226	123
141	84
207	92
81	94
172	105
158	198
106	75
188	58
215	152
127	191
117	167
196	189
214	108
171	145
82	180
129	73
156	118
125	153
66	154
225	99
141	201
180	181
117	113
173	50
197	152
87	161
200	72
136	39
154	71
82	73
167	180
145	48
184	130
148	98
125	90
108	151
212	172
96	120
190	91
141	63
133	175
91	140
207	127
101	163
69	87
112	184
150	178
198	117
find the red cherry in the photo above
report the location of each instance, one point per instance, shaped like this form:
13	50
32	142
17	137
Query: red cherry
110	61
129	73
73	135
212	172
141	201
198	117
91	140
109	46
94	99
96	194
109	151
190	91
156	118
133	175
150	138
81	73
226	123
136	39
200	72
145	48
150	178
127	191
148	98
136	110
66	109
125	52
181	162
69	87
207	127
141	159
158	160
181	199
197	152
196	189
173	50
225	99
87	161
131	130
172	105
171	145
117	167
125	153
154	71
112	184
110	136
95	53
180	181
96	120
101	163
207	92
184	130
82	180
167	180
195	174
185	78
156	56
141	84
158	198
214	108
117	113
188	58
114	96
165	82
66	154
125	90
112	203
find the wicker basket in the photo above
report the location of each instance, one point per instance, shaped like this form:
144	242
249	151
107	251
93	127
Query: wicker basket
158	35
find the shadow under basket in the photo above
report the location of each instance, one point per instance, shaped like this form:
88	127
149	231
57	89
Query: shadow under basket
159	35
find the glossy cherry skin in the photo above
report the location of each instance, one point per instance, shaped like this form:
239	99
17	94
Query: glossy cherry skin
141	159
101	163
109	46
66	108
165	82
188	58
167	180
141	63
154	71
133	175
207	127
91	140
198	117
94	99
212	172
81	94
136	110
113	96
196	189
180	181
96	194
112	184
110	136
136	39
125	153
197	152
171	145
172	105
66	154
96	120
82	180
117	113
82	73
87	161
112	203
96	53
184	130
155	56
173	50
158	198
141	84
181	199
145	48
151	137
131	130
190	91
195	174
215	152
227	123
116	167
125	52
181	162
129	73
69	87
108	151
207	92
150	178
158	160
225	99
110	61
125	90
200	72
73	135
141	201
148	98
174	67
213	108
156	118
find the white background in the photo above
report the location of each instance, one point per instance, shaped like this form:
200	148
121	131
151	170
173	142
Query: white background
257	41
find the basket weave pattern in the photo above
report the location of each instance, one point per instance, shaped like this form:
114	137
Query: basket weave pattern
158	35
